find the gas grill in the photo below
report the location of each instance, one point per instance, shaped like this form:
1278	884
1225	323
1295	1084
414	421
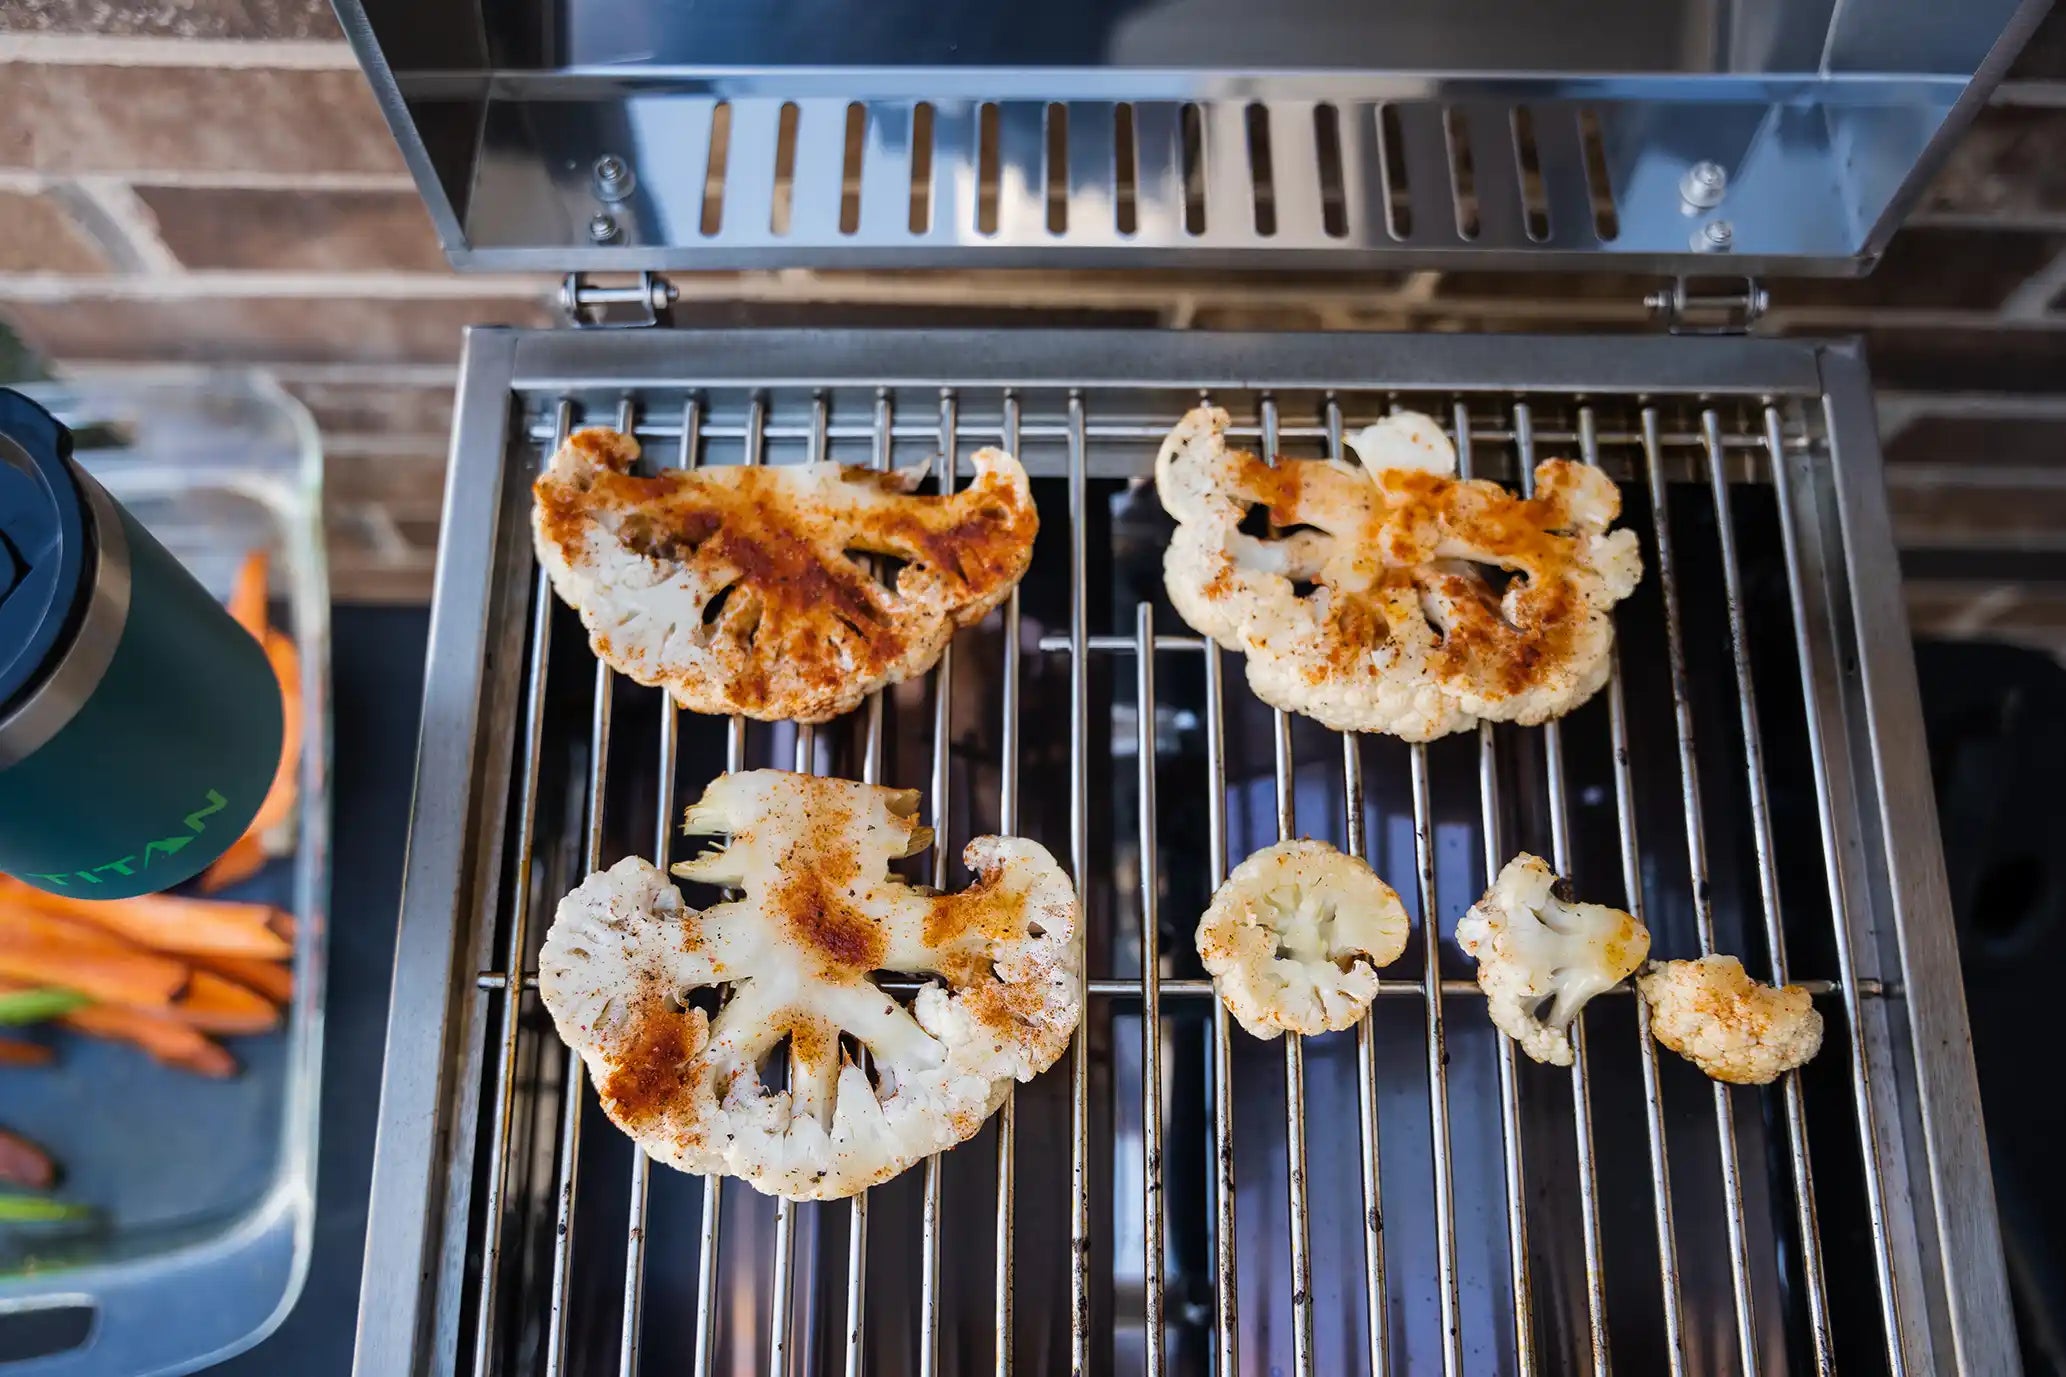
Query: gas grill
1174	1196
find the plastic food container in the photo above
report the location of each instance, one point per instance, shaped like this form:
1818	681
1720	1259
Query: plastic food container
203	1190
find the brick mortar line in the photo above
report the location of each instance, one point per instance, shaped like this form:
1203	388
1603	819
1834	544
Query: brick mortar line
32	182
100	50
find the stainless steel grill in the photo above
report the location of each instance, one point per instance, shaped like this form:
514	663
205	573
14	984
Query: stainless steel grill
1173	1196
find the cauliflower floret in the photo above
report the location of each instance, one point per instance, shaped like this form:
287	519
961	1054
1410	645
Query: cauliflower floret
1734	1028
742	589
873	1086
1370	611
1295	937
1534	947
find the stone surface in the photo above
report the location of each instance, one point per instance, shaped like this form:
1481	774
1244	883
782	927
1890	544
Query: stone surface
173	18
264	329
38	235
1934	266
1961	440
1968	360
376	408
2008	163
82	118
287	231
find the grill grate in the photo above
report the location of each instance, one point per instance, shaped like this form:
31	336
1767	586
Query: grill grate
1173	1196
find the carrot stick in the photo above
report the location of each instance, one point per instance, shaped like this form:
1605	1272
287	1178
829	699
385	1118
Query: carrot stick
48	951
245	858
278	804
215	1005
15	1052
166	1039
165	922
269	978
247	594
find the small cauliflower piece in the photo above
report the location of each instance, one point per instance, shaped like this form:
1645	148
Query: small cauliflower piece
1734	1028
792	960
744	589
1366	607
1534	947
1295	937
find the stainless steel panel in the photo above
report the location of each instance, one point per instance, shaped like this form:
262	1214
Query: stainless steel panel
1408	1196
1826	120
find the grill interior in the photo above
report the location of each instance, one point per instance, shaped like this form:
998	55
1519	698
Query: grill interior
1406	1196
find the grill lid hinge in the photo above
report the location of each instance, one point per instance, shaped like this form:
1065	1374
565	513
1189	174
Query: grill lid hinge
589	305
1709	306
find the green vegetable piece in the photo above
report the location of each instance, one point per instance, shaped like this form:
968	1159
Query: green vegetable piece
34	1006
35	1209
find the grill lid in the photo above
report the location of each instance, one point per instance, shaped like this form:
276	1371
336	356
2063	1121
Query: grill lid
1653	135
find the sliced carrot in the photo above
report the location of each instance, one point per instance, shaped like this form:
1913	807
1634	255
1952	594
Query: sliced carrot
247	594
164	922
166	1039
15	1052
245	858
269	978
218	1005
278	804
49	951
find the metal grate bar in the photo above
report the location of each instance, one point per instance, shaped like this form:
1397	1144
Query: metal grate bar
1847	964
1008	824
713	1186
943	815
1377	1317
1511	1153
782	1285
1632	895
642	1165
1438	1064
1703	911
1581	1070
1798	1159
570	1125
1151	995
1079	860
1152	433
500	1131
871	773
1297	1221
1226	1290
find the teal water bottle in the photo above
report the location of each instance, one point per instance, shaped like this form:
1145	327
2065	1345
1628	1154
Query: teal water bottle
140	725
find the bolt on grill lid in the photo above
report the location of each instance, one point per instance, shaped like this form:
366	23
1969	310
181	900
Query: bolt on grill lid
43	534
1633	135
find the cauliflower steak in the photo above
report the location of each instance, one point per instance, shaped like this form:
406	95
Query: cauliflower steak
1734	1028
1296	936
1365	607
742	589
1535	946
873	1086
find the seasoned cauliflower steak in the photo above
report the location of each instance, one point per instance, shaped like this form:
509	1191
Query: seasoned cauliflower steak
1534	946
1734	1028
1296	936
1365	606
742	590
629	971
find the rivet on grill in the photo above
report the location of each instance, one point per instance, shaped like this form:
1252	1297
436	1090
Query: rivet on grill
1716	236
1704	185
613	178
602	227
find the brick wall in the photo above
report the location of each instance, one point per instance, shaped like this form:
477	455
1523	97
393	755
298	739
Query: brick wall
209	181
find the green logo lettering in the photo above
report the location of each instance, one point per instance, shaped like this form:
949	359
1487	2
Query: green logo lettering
59	880
164	846
216	803
120	867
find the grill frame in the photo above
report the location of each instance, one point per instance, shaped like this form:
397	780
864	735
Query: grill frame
1944	1256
